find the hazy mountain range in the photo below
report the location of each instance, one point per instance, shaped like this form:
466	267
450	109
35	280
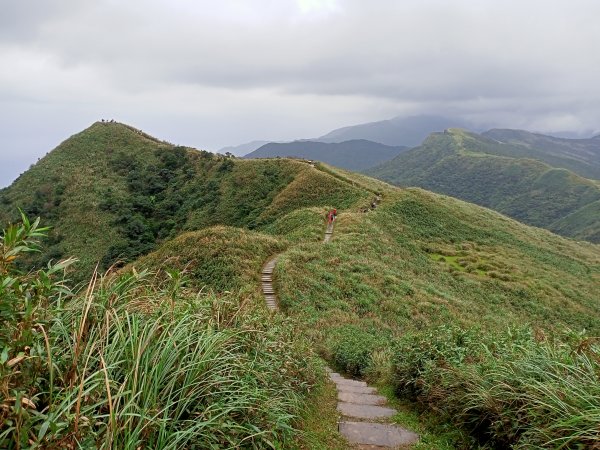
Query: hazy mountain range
358	154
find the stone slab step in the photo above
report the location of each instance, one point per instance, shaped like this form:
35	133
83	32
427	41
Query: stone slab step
356	389
364	411
347	381
362	399
377	434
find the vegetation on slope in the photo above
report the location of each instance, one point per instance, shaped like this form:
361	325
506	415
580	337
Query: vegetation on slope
582	224
451	305
581	156
495	175
112	194
394	277
140	360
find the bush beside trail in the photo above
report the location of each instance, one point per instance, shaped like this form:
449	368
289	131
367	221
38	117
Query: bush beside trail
515	389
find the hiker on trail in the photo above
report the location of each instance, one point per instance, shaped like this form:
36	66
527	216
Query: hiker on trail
334	215
331	216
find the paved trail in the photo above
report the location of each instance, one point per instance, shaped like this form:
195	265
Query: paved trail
363	412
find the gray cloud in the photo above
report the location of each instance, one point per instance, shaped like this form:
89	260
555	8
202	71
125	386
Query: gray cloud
210	74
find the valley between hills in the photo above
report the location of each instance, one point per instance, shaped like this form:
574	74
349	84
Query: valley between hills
138	320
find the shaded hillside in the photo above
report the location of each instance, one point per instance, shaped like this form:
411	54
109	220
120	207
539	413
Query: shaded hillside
352	155
111	193
581	156
582	224
404	131
477	169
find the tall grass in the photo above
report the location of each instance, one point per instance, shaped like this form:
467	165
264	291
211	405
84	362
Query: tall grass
514	389
141	361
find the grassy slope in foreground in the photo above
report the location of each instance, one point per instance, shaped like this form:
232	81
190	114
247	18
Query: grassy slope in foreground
259	370
142	360
391	296
484	172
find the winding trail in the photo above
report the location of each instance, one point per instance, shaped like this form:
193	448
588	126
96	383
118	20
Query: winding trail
365	417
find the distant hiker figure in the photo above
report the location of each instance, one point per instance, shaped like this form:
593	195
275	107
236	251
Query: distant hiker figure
331	216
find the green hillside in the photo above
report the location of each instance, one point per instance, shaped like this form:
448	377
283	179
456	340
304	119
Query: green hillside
496	175
581	156
480	328
111	193
582	224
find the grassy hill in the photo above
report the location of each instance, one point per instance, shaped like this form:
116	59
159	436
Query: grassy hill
582	224
111	193
357	154
496	175
479	326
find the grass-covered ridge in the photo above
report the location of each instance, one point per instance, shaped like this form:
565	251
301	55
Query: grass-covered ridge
500	175
111	193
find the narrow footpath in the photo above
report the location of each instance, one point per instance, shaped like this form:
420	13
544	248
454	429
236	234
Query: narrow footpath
365	417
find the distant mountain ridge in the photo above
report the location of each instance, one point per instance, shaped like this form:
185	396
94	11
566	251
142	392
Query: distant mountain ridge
242	149
405	131
358	154
581	156
515	179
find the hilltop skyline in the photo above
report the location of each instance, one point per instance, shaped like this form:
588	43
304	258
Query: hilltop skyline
210	75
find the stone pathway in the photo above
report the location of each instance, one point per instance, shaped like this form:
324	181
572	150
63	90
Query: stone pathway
328	232
362	410
362	413
267	284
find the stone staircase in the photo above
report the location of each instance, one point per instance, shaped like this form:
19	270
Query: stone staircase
362	413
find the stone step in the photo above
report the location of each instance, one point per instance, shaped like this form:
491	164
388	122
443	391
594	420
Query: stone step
376	434
362	399
364	411
347	381
356	389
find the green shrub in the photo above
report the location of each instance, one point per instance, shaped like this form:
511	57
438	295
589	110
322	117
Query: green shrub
351	349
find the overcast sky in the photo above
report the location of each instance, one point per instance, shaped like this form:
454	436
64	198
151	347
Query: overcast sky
214	73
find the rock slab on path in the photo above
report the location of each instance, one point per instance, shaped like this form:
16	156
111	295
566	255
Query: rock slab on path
361	407
359	411
377	434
